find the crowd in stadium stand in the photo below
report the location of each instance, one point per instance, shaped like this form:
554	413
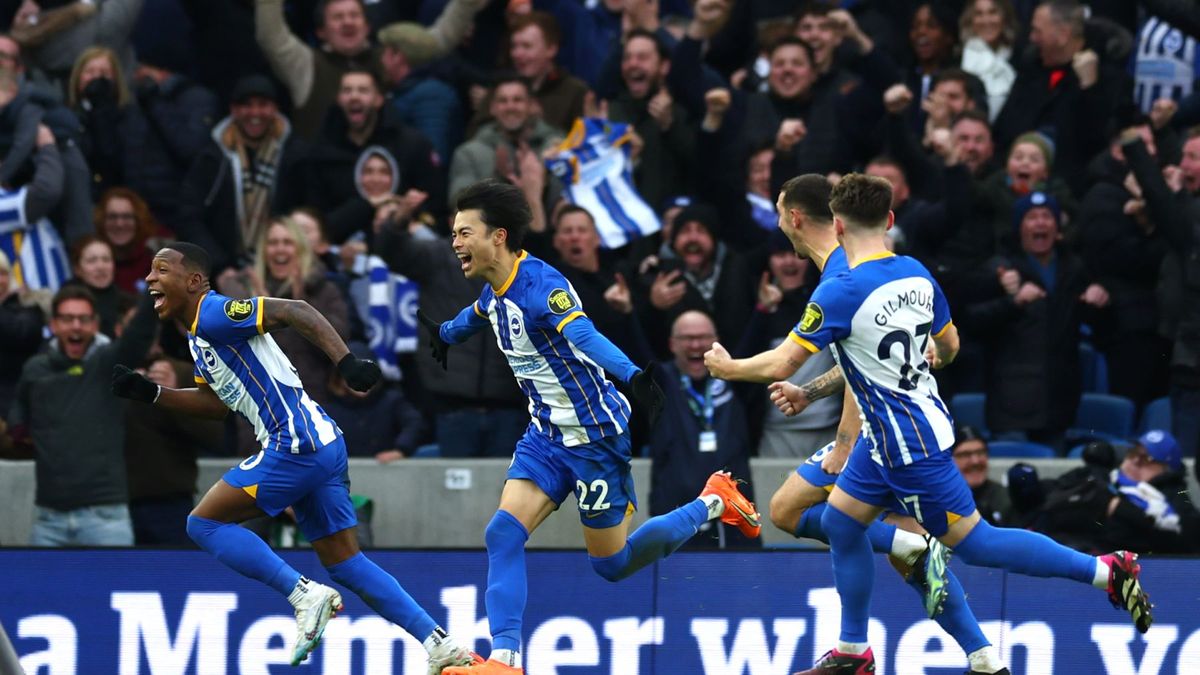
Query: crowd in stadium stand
1044	157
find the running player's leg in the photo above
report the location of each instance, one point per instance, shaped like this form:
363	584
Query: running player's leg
327	518
956	617
606	498
935	486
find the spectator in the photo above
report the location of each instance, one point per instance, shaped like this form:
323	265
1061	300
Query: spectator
161	448
933	41
1065	91
380	423
21	323
1172	199
988	29
703	275
477	408
122	218
358	121
534	39
1124	245
313	75
422	101
285	267
1154	512
1027	170
55	38
126	144
991	498
1031	328
93	267
24	107
246	173
63	406
667	158
702	429
33	245
502	146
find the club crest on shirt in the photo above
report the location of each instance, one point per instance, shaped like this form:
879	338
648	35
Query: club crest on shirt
515	325
813	318
560	301
239	310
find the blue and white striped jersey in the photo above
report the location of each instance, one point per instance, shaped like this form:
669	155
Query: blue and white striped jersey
35	251
1166	63
570	399
250	373
880	315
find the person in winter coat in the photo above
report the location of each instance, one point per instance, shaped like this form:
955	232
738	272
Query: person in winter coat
1031	328
246	173
123	219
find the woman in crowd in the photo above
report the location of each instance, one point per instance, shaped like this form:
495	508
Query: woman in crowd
92	266
123	220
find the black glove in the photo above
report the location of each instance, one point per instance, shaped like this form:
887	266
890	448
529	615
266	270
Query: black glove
132	385
647	394
100	92
437	346
360	374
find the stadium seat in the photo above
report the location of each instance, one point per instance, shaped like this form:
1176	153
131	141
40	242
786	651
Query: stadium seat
1102	417
428	451
969	408
1020	449
1156	415
1094	368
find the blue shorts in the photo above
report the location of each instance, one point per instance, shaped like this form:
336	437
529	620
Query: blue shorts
315	484
598	473
931	490
812	472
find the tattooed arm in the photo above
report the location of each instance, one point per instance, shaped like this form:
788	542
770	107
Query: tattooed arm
792	400
847	433
298	314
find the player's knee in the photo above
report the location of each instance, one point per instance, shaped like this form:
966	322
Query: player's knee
504	531
785	514
199	529
611	568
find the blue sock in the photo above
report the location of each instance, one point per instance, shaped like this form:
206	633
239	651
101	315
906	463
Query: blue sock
880	533
508	585
383	594
853	571
244	552
956	618
1024	552
656	539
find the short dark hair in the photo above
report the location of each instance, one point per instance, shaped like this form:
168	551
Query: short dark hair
814	8
659	47
888	160
972	114
809	192
966	432
861	201
193	257
568	209
545	22
510	77
790	41
72	292
373	73
501	205
75	253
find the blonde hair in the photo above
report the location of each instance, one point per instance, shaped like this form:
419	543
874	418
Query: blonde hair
304	254
1008	21
119	83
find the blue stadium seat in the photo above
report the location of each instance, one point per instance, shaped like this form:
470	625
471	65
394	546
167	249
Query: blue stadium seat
1156	415
969	408
1103	417
1094	368
1020	449
428	451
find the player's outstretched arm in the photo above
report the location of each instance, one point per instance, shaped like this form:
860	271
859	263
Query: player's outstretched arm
944	348
360	374
199	402
645	391
779	363
455	331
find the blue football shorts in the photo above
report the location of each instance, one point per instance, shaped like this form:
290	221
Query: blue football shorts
597	472
315	484
931	490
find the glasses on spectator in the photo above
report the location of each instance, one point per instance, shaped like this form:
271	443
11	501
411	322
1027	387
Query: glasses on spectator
75	318
970	452
707	337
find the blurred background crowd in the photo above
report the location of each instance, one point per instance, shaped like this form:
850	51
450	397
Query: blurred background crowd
1045	160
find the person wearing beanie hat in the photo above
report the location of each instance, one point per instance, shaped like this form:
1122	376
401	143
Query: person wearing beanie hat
1027	169
1031	317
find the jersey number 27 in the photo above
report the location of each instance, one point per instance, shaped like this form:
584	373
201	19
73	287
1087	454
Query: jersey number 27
909	376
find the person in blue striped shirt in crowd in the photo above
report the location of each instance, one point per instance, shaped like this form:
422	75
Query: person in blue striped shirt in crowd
578	437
